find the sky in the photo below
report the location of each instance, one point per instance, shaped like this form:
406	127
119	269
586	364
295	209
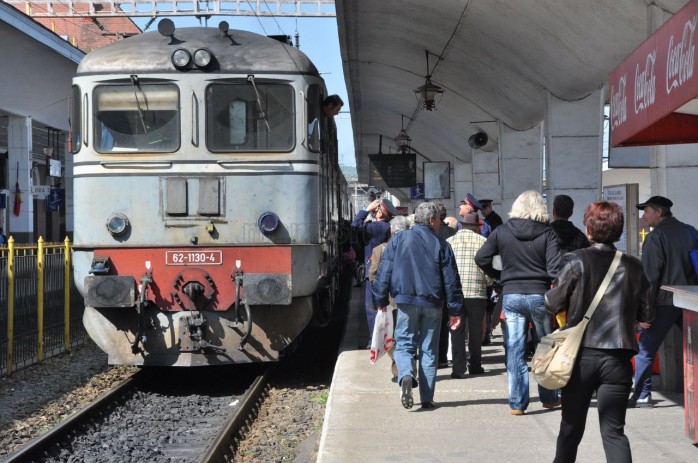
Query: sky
318	39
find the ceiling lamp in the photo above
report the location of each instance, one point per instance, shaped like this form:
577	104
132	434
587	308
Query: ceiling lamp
402	141
427	94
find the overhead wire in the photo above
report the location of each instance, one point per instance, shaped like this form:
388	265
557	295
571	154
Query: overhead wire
256	16
277	22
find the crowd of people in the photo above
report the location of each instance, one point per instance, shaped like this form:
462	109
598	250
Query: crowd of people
445	275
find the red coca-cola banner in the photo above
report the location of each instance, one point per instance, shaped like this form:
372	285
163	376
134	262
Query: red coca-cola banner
654	81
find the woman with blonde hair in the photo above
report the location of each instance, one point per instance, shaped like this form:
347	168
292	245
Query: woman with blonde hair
530	261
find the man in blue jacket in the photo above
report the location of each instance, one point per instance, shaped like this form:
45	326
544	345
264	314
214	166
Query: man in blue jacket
376	232
419	269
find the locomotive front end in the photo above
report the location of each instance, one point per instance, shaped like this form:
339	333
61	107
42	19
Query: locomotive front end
202	202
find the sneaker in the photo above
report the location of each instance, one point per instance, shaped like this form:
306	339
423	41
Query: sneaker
640	403
415	383
476	370
551	406
429	405
516	412
443	365
406	394
457	375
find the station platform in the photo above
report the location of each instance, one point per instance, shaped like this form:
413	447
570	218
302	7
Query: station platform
365	421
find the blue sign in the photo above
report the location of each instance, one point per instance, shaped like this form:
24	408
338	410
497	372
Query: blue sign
417	192
51	207
56	198
3	201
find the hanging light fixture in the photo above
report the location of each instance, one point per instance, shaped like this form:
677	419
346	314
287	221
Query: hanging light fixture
402	141
427	94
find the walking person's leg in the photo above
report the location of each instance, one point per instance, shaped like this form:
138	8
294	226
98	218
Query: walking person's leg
443	337
460	362
576	399
649	342
406	332
616	381
515	340
476	309
370	313
542	326
429	325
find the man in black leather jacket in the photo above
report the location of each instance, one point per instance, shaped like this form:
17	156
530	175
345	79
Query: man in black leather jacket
666	261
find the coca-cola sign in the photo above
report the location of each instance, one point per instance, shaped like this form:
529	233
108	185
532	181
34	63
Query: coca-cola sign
619	107
663	68
645	84
680	57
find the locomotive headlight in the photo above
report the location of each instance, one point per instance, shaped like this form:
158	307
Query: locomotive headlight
181	58
202	57
117	224
268	222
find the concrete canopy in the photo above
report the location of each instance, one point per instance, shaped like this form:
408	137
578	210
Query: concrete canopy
499	57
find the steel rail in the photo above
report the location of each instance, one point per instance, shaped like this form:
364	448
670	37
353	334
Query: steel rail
36	448
242	416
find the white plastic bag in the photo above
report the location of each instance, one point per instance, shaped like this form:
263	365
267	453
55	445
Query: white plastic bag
382	334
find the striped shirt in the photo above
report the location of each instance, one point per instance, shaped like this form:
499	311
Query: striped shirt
465	245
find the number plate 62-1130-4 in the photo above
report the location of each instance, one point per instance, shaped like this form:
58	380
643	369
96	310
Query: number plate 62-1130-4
194	258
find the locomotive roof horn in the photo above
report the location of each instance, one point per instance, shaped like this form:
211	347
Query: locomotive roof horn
166	27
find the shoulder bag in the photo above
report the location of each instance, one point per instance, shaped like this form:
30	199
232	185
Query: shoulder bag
557	352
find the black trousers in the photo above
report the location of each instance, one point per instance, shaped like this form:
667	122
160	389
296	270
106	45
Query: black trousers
609	373
474	314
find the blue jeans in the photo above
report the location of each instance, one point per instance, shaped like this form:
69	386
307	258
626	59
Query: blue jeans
650	340
418	326
370	313
519	310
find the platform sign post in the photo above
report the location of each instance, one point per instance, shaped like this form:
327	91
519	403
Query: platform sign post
40	296
626	196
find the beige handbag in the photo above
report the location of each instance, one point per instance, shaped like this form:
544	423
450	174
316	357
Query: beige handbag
557	352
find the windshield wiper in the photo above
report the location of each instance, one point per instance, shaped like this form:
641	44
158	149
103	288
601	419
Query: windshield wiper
134	83
250	79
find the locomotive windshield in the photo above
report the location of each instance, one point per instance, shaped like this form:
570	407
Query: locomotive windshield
136	118
236	122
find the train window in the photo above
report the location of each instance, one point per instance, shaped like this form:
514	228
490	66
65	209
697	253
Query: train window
136	118
314	108
75	120
235	121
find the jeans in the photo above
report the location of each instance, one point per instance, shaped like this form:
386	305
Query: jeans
370	312
444	335
474	314
418	326
519	310
650	340
611	377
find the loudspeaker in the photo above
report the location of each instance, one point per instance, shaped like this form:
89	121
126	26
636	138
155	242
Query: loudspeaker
478	140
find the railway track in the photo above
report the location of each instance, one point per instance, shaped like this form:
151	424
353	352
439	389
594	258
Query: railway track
166	415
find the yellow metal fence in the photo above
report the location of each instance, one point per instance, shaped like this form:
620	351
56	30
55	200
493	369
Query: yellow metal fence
40	307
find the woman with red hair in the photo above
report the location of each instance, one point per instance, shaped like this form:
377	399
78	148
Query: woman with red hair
603	363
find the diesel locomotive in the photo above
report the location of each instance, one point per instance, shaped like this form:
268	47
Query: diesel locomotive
207	195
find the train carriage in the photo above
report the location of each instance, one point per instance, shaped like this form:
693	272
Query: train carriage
207	194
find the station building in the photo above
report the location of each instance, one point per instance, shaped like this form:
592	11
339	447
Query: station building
35	102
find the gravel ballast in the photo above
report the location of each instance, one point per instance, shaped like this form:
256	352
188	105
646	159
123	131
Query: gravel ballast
35	399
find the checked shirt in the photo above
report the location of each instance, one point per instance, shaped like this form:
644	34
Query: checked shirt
465	245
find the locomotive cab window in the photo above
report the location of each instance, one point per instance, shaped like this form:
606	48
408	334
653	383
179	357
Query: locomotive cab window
75	120
136	118
247	117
